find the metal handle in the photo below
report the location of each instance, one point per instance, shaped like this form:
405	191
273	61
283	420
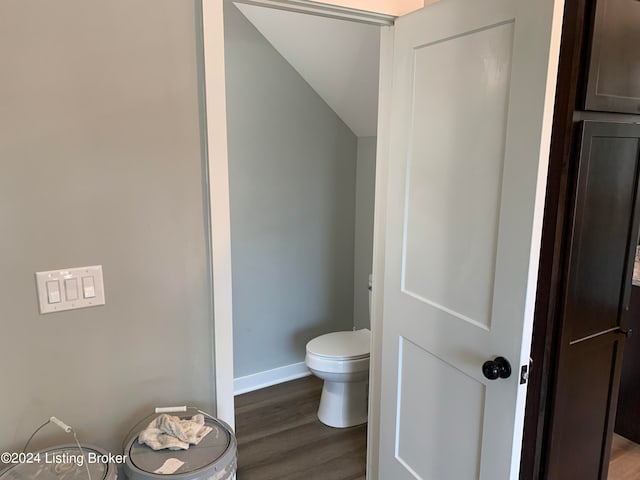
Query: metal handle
498	368
626	333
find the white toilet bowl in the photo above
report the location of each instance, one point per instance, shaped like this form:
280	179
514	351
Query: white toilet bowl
341	359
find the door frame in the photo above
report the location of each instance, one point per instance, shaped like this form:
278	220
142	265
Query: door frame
379	234
219	221
217	179
553	252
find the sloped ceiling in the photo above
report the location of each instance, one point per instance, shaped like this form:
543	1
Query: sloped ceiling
338	59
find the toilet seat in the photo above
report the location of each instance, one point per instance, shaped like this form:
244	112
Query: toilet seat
351	345
340	352
332	365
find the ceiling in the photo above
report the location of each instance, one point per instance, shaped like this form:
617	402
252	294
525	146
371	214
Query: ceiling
339	59
389	7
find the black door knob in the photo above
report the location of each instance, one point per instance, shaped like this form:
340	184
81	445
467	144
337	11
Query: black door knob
498	368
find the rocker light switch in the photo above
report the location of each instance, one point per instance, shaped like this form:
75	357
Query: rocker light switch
88	287
71	288
53	291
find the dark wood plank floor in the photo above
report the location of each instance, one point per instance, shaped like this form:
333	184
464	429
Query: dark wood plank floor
625	460
280	437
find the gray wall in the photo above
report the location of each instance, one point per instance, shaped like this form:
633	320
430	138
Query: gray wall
101	163
365	195
292	180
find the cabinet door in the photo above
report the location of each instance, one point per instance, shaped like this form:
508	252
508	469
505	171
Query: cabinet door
597	290
628	415
613	83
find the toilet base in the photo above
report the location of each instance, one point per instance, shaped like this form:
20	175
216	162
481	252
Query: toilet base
344	404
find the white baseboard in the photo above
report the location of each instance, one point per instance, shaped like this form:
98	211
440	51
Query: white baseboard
267	378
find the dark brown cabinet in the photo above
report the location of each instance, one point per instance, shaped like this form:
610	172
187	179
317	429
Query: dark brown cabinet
628	413
588	241
604	234
613	83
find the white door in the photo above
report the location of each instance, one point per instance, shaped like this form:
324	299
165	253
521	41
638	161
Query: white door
471	108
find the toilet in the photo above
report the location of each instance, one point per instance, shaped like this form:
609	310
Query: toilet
341	359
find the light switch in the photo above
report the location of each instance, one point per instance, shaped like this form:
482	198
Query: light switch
88	287
71	288
53	291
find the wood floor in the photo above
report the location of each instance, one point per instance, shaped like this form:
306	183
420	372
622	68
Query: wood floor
625	460
280	437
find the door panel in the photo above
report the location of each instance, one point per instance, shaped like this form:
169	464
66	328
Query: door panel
462	192
454	425
604	209
614	69
628	412
472	101
602	249
583	409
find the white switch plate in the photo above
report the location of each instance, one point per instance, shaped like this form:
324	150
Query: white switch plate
72	294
